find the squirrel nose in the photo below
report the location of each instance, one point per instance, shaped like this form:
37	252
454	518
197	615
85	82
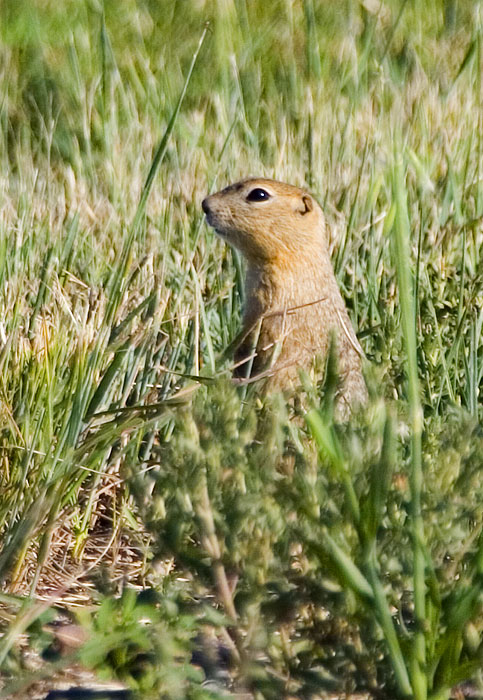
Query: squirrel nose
204	206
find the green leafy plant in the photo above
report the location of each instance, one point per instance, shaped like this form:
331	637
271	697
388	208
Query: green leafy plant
144	639
286	546
338	558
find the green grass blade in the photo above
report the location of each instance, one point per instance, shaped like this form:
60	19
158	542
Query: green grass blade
402	257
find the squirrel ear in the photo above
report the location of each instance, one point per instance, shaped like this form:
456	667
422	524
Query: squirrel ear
306	204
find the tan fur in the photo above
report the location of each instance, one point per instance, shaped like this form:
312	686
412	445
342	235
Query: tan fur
293	304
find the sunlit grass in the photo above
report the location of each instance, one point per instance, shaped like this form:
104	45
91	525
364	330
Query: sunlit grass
114	293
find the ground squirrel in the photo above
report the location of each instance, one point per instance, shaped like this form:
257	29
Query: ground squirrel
293	304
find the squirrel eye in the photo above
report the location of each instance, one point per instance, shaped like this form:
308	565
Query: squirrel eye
258	195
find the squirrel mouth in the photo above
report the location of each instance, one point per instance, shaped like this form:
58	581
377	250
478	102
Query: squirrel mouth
211	219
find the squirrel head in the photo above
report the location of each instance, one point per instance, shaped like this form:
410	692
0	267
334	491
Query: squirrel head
270	222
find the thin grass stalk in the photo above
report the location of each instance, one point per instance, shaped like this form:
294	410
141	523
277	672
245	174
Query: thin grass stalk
365	583
386	623
393	30
119	276
328	445
479	98
163	144
402	257
209	539
204	318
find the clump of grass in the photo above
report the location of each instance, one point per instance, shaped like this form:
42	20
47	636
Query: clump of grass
314	565
114	296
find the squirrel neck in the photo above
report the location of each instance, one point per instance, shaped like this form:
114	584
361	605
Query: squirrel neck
271	286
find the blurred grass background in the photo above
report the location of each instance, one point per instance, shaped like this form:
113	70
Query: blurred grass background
113	290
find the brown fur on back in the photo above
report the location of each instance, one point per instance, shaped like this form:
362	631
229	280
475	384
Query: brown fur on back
293	304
